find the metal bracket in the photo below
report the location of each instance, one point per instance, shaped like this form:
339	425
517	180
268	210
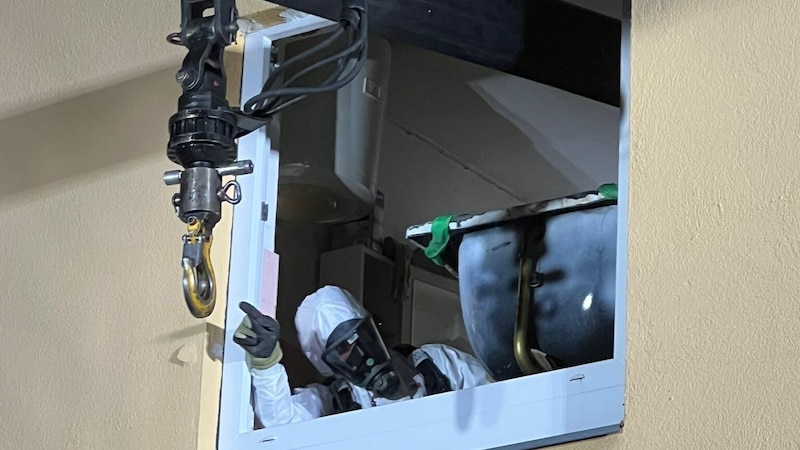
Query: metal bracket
264	212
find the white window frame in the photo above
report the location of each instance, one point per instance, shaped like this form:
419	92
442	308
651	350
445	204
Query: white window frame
522	413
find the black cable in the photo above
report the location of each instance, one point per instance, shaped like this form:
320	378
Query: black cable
325	86
274	109
275	105
321	63
319	89
251	105
265	96
273	100
301	56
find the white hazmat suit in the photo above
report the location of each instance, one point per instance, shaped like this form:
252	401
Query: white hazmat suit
317	316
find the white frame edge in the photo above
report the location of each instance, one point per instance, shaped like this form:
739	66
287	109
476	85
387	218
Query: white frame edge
527	412
250	236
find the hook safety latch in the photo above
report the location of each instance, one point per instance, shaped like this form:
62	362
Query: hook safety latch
199	286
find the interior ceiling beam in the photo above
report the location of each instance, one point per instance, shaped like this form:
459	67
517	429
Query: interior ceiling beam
547	41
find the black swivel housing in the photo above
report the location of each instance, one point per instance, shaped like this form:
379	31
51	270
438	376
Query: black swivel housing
203	130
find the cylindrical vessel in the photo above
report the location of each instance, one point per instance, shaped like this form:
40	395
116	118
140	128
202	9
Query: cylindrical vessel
332	177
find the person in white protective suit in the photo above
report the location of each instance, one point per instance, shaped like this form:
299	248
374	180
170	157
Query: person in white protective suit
340	339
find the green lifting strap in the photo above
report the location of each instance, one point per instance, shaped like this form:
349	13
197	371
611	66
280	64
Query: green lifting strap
440	236
608	191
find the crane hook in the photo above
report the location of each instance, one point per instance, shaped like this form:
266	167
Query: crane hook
199	286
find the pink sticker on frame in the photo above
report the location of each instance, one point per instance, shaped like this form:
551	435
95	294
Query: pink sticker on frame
269	284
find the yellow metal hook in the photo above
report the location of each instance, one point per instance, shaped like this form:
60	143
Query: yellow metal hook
199	286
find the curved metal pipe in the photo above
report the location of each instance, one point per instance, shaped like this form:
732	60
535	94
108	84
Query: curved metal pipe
522	350
529	360
568	314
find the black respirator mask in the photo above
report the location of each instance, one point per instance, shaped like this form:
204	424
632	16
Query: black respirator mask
356	352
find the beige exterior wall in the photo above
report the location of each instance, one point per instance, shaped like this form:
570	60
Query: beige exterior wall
93	318
101	350
714	316
53	51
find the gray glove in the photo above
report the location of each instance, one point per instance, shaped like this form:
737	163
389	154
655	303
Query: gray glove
258	336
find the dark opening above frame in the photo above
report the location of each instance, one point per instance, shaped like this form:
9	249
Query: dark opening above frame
548	41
